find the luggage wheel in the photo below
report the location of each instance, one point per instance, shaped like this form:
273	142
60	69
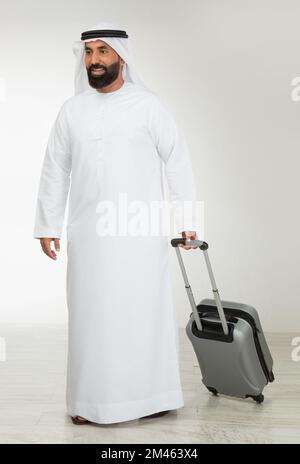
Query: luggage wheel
212	390
258	398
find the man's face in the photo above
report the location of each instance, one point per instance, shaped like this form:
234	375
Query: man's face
102	63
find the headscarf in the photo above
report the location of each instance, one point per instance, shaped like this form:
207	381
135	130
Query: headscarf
118	39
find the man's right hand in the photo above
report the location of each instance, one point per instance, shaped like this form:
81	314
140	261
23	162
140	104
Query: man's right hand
46	246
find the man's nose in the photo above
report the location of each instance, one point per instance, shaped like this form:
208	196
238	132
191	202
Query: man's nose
95	59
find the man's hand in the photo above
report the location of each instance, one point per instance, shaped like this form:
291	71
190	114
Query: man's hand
46	246
190	236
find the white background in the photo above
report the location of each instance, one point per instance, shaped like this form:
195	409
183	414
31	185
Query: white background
226	68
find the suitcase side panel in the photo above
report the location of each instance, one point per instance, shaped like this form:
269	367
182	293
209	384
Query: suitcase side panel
253	312
231	368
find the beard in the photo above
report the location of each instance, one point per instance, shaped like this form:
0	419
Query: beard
109	75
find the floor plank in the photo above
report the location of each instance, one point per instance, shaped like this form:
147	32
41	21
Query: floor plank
32	399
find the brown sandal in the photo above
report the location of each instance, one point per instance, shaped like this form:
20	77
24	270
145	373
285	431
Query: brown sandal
77	421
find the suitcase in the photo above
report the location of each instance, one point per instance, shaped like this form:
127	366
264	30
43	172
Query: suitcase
228	340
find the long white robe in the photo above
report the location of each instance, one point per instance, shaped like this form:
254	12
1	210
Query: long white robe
123	352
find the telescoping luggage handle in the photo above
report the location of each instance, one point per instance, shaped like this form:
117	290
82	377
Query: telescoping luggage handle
203	246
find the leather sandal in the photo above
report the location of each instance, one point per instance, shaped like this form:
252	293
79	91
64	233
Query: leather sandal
77	421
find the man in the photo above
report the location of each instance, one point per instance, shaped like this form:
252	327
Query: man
112	139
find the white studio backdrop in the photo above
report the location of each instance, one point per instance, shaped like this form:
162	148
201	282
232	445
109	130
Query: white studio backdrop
225	68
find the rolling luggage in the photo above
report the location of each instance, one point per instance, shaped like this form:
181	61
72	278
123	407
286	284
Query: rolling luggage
228	340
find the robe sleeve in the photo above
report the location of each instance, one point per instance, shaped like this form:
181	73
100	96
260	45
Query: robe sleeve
172	148
55	180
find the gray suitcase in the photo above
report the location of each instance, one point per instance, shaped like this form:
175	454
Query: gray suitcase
228	340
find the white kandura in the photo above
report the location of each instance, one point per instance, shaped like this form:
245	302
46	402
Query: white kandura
123	353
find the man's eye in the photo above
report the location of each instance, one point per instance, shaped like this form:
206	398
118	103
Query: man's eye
103	51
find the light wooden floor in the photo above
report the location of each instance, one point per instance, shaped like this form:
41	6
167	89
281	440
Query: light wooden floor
32	399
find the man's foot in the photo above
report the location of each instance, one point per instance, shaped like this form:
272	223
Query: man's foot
79	420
